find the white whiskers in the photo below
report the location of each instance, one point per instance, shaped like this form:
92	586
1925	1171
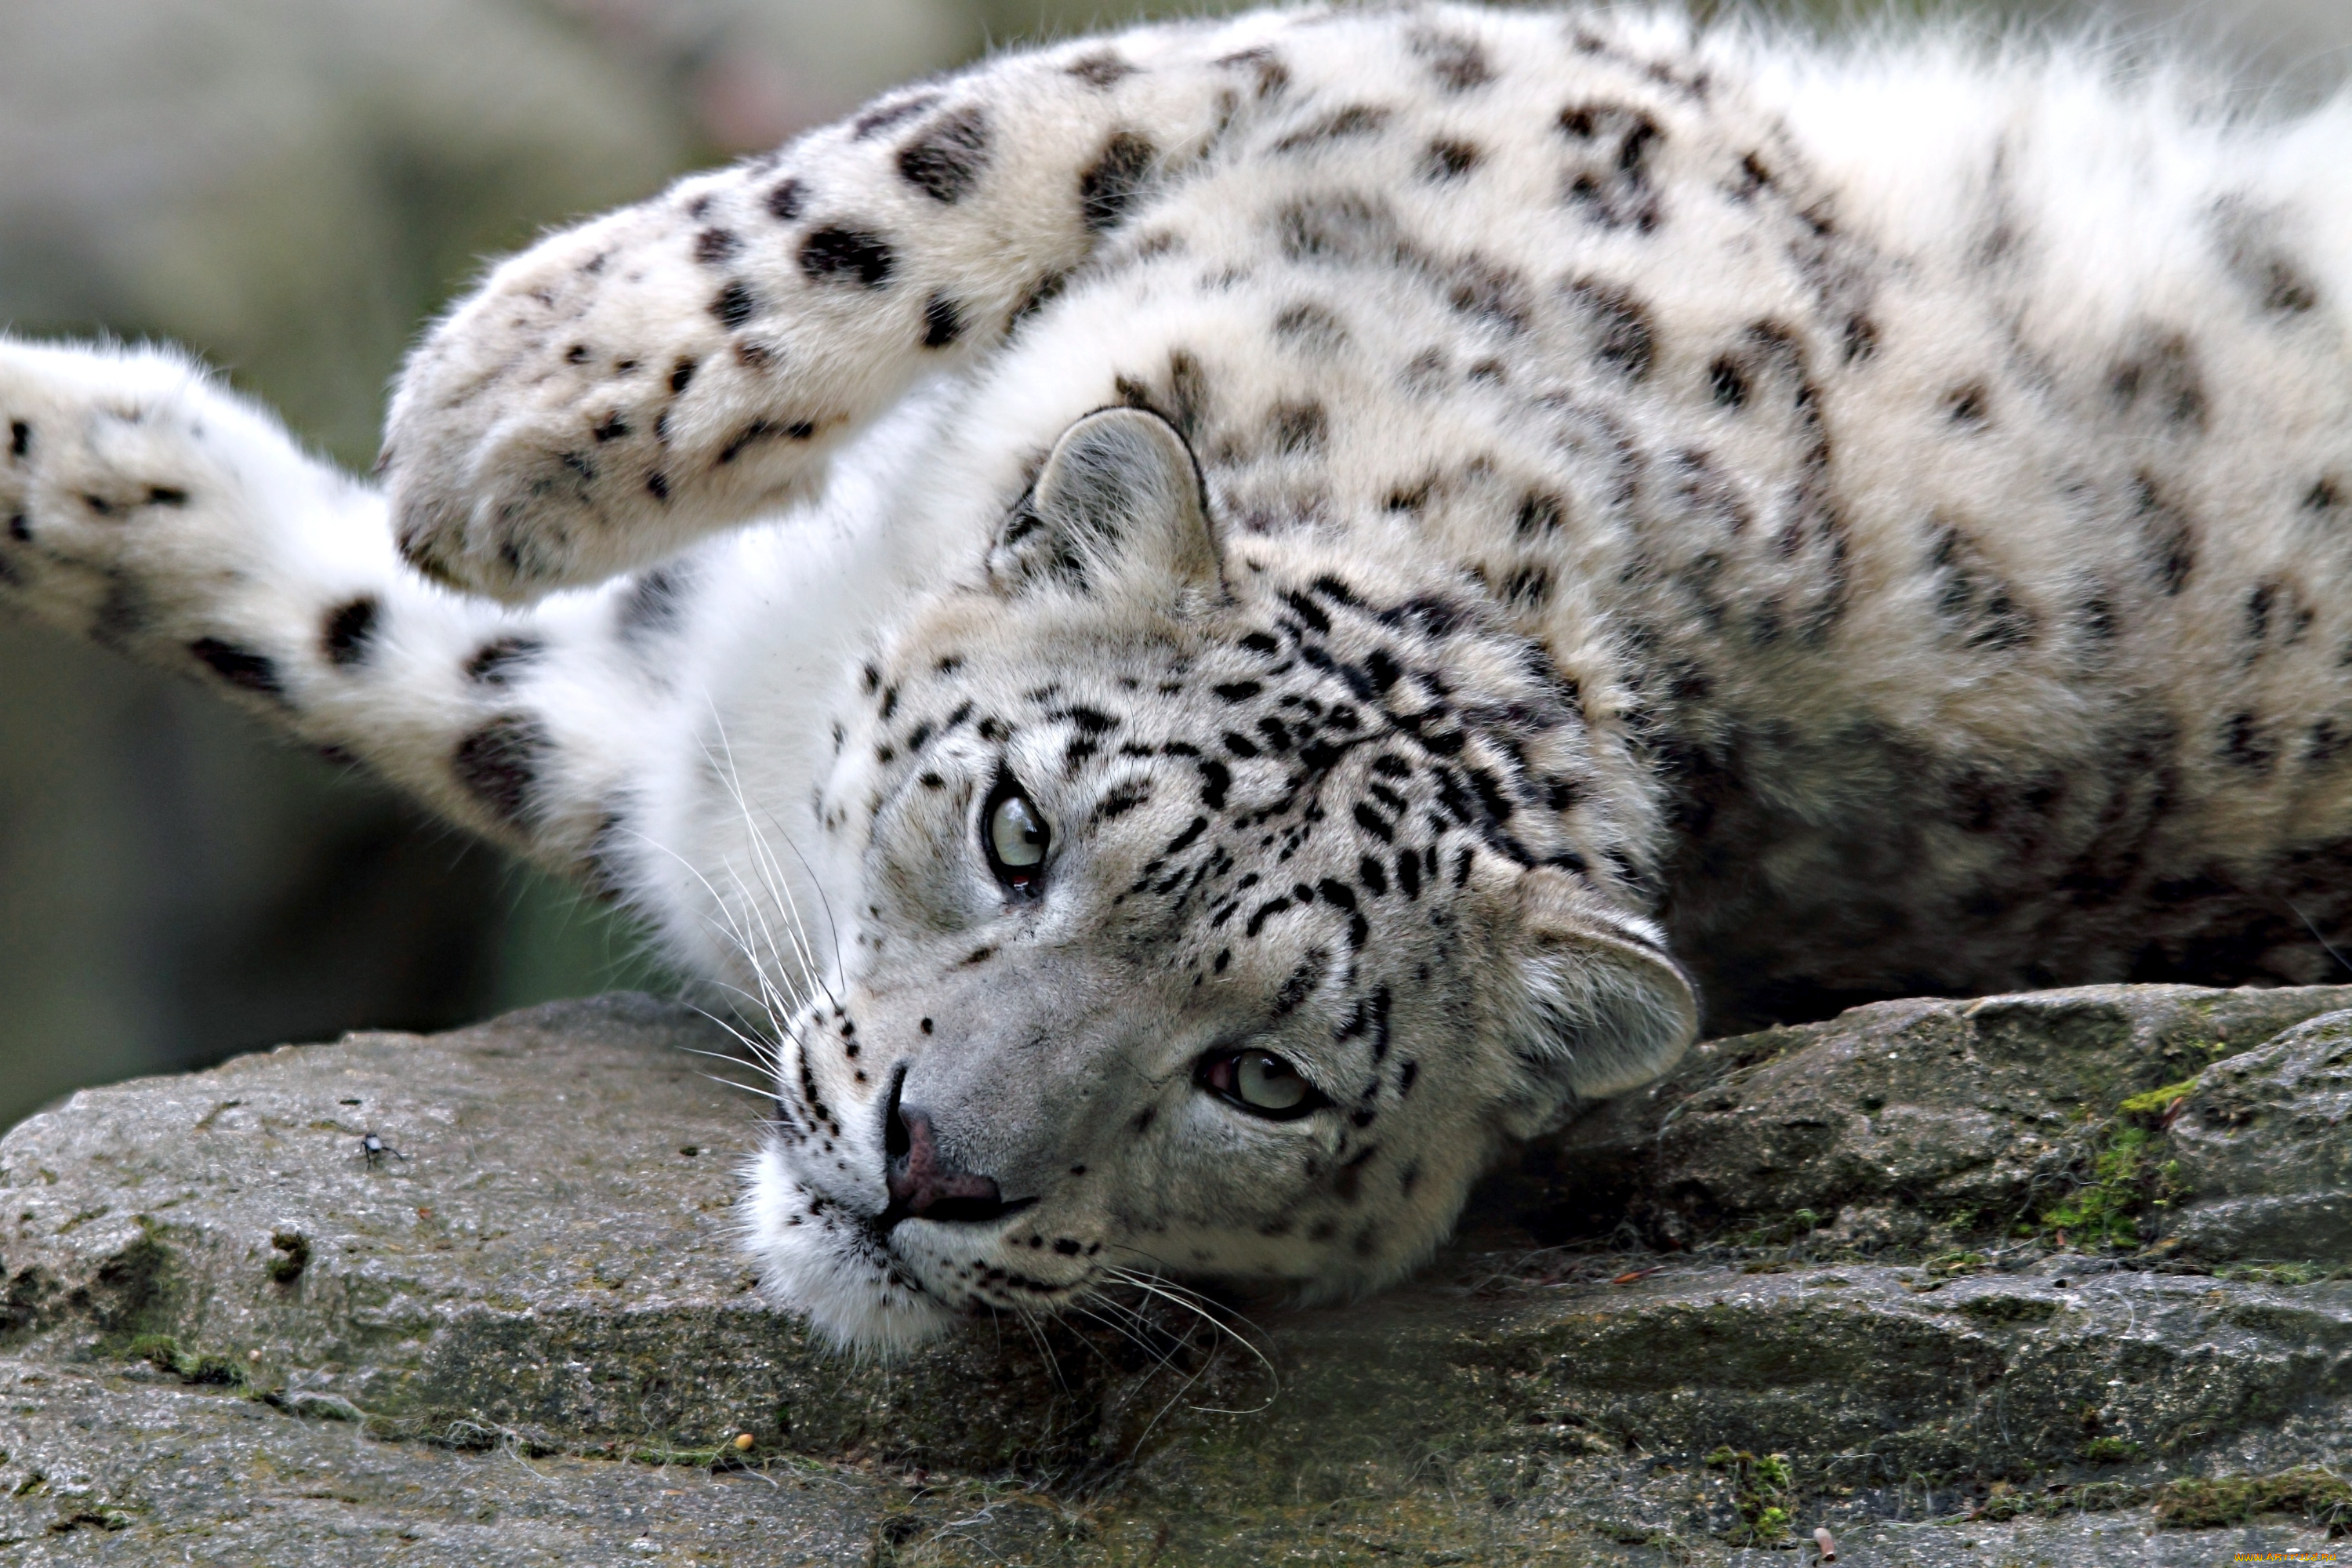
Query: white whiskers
1187	1300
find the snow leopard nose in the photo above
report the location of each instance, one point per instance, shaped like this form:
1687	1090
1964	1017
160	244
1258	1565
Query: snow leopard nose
922	1186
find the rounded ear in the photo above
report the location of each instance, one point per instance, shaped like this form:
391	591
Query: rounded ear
1592	1004
1118	504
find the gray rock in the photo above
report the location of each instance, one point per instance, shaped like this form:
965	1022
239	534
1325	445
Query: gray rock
2265	1142
1903	1122
229	1334
107	1470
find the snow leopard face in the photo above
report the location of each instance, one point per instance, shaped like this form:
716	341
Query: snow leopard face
1186	888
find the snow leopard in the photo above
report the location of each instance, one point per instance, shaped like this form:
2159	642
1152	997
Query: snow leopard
1213	626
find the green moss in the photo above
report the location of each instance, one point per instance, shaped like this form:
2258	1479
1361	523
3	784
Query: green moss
291	1256
2207	1503
2111	1451
2157	1102
1761	1489
163	1352
691	1458
2093	1496
2276	1273
2128	1178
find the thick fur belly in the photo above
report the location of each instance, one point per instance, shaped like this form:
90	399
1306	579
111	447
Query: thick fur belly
1808	876
2075	705
2078	710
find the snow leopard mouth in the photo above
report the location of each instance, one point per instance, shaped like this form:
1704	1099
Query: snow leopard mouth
920	1184
819	1258
877	1281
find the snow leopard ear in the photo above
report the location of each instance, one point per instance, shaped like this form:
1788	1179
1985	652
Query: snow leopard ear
1119	507
1593	1006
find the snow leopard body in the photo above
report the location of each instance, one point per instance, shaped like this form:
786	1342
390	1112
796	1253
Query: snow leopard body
1477	537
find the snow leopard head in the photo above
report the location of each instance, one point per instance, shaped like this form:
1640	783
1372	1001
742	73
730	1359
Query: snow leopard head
1224	915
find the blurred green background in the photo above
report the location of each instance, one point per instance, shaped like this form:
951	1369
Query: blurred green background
290	187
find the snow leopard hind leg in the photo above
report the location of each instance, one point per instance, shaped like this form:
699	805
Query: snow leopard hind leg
146	507
690	362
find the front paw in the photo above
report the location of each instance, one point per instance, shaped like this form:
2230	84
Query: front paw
610	395
142	506
101	477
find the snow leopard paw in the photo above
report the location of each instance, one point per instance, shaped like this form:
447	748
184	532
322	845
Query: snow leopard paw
135	498
620	390
104	486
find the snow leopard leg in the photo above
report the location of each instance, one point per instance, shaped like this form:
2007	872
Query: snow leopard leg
145	507
689	363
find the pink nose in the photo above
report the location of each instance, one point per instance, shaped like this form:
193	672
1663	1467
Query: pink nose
923	1188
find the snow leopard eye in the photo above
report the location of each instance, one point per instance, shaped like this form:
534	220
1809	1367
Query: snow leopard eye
1262	1084
1016	839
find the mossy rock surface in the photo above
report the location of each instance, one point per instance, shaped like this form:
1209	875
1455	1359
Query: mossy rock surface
1822	1257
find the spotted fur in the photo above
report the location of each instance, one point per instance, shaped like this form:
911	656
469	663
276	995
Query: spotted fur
1472	531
